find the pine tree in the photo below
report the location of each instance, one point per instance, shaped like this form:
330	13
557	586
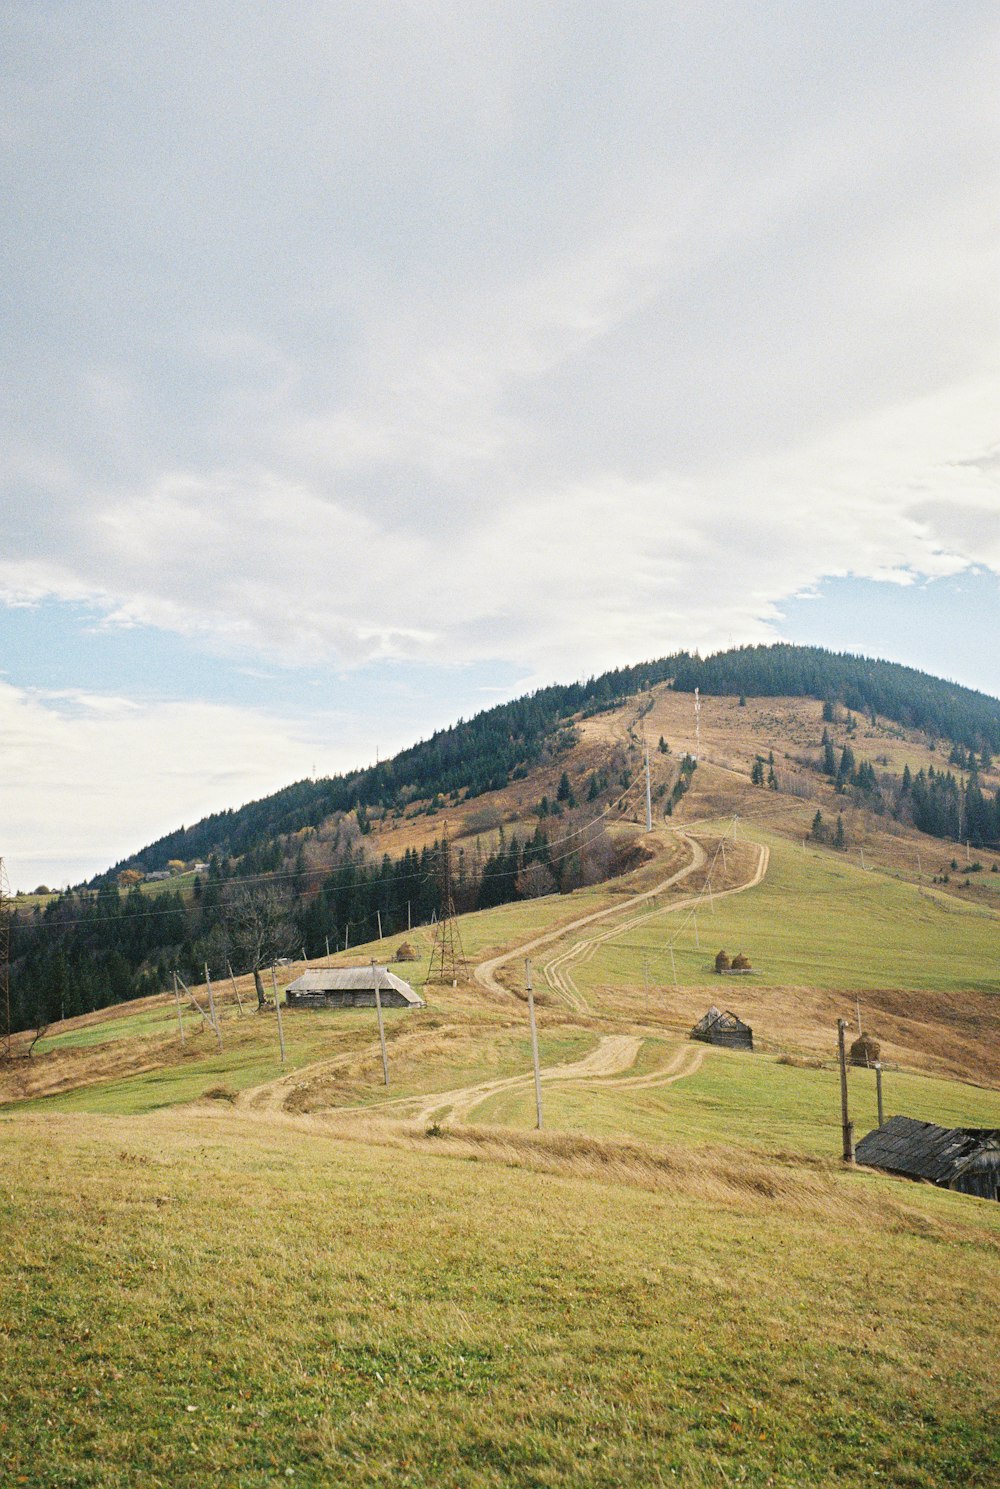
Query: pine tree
839	837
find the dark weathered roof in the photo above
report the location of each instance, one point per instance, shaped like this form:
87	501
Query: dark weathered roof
351	980
920	1149
714	1019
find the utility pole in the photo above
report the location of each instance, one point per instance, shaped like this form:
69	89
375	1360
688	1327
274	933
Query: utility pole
673	968
211	1009
697	721
177	1000
232	979
4	964
327	950
378	914
534	1045
847	1126
277	1010
376	979
878	1091
694	917
649	795
858	1004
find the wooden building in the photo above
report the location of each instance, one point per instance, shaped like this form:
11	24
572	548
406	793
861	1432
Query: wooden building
350	987
963	1158
723	1029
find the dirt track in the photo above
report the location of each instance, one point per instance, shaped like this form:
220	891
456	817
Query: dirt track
557	973
485	972
605	1065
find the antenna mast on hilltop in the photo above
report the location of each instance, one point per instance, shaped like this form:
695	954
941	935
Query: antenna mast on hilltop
447	956
4	964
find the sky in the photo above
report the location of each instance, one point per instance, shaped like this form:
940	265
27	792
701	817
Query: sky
366	365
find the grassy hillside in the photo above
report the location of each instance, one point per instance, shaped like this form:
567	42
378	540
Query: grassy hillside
219	1269
279	1306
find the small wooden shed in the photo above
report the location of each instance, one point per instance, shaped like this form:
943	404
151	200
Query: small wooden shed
350	987
724	1029
963	1158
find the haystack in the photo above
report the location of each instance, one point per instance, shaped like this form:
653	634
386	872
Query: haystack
741	963
722	962
406	953
865	1051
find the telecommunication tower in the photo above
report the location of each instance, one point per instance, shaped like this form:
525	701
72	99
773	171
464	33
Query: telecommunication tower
447	956
4	964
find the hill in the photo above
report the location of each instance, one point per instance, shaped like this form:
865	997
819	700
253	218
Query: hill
536	797
225	1267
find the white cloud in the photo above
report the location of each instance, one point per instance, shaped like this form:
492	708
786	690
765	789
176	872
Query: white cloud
89	778
542	335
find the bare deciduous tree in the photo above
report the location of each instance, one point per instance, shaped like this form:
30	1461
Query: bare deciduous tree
259	919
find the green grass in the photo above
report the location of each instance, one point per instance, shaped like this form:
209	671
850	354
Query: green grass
198	1300
817	920
752	1101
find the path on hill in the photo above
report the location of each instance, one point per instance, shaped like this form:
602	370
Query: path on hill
557	971
602	1066
485	973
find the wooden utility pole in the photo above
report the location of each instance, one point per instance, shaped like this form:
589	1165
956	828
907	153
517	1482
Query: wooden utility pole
694	916
277	1010
878	1091
534	1045
857	1001
649	796
376	979
327	950
847	1125
194	1000
378	915
177	1000
232	979
673	968
211	1008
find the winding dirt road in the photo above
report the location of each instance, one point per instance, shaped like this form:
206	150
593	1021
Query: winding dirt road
485	973
605	1065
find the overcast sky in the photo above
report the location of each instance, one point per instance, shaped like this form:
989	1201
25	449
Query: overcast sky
368	363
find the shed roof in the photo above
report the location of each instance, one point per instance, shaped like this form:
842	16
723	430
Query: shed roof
351	980
905	1145
715	1019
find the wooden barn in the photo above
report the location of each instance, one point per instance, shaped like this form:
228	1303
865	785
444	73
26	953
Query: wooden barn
350	987
724	1029
963	1158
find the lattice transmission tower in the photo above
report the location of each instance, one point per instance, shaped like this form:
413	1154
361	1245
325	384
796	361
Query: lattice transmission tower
447	956
5	908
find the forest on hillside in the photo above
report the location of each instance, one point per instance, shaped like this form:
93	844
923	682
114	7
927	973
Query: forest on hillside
943	710
291	870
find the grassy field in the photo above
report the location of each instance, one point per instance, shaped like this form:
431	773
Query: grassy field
818	920
306	1280
213	1300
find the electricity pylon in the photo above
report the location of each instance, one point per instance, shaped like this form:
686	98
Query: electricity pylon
447	957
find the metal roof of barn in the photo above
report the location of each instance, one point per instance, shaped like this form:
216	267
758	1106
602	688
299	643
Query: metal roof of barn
904	1145
351	980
